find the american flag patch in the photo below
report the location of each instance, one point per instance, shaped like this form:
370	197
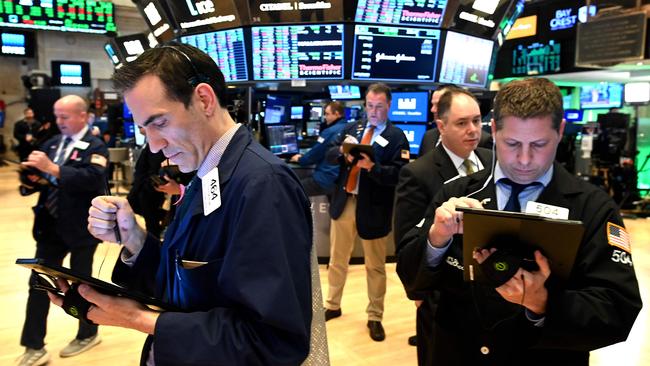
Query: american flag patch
618	237
406	154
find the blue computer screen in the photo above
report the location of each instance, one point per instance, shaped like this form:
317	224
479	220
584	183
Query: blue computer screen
278	110
409	107
297	112
602	95
297	52
129	129
226	48
13	43
126	112
573	115
414	134
70	73
345	92
282	139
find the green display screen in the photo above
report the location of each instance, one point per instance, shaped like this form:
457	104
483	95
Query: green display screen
86	16
643	145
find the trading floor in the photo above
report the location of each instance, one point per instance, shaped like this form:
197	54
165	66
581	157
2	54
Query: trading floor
349	343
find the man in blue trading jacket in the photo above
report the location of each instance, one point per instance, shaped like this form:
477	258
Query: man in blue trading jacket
532	319
323	180
362	204
235	258
75	163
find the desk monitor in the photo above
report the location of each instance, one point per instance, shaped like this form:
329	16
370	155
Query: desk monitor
309	51
315	113
278	109
409	107
401	12
459	69
313	128
394	53
227	49
414	134
282	139
297	112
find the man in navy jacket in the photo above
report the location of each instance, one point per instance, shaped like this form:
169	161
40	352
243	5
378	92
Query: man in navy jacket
235	258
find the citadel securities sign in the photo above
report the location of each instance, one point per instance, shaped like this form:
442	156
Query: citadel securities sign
566	18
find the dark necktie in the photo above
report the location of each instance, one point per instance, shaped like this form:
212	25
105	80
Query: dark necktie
469	167
515	189
351	184
52	199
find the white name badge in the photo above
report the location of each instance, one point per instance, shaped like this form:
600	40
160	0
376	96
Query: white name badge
81	145
548	211
320	139
381	141
211	191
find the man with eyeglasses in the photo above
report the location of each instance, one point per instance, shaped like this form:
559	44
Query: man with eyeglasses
362	204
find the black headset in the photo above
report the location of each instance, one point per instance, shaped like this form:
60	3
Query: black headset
198	77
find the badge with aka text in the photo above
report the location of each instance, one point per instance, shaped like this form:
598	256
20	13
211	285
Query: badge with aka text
211	191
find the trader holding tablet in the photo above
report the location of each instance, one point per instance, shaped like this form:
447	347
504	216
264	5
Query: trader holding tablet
228	259
532	318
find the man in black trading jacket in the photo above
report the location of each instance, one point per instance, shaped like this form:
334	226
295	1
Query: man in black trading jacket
531	319
362	204
457	155
25	132
74	162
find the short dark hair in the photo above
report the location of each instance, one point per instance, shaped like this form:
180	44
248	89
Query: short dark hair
444	103
179	74
336	107
529	98
380	88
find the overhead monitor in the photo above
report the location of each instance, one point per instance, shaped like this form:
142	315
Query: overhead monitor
425	13
227	49
297	112
523	27
297	52
70	73
409	107
87	16
567	16
537	58
304	11
282	139
637	93
156	16
131	46
204	16
414	134
17	43
601	95
573	115
278	109
481	18
394	53
508	21
339	92
112	54
459	69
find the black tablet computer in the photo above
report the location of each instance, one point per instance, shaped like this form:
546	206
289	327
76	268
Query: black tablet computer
558	240
53	271
356	150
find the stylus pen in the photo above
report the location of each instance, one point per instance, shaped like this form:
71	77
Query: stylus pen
116	229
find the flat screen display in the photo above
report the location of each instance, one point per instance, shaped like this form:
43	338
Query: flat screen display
313	128
298	52
409	107
282	139
637	93
277	110
157	19
132	46
112	54
204	15
394	53
537	58
304	11
602	95
126	112
87	16
17	43
129	129
573	115
345	92
424	13
227	49
315	113
459	69
297	112
414	134
481	18
70	73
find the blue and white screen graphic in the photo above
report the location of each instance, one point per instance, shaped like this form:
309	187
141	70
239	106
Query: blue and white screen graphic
13	44
71	74
409	107
414	134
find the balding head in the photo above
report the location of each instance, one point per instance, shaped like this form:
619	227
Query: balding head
71	115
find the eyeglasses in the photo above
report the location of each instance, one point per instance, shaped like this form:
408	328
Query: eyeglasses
45	282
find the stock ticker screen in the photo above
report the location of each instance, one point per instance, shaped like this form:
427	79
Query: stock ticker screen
297	52
394	53
226	48
459	69
85	16
425	13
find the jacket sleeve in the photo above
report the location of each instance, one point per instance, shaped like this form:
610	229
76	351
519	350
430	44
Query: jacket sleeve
264	276
411	201
601	301
318	151
333	154
89	174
